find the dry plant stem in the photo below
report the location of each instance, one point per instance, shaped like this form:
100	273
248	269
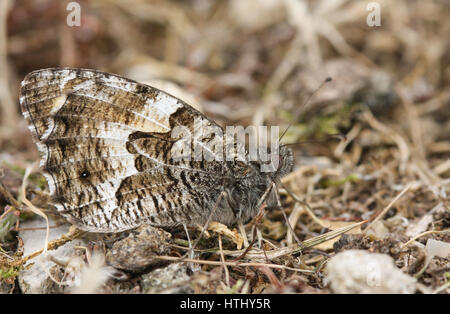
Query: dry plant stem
259	254
304	245
8	197
243	233
52	245
163	13
442	167
285	216
236	264
271	276
248	248
9	116
441	288
351	135
222	258
438	147
415	123
40	228
307	208
9	210
172	72
424	234
189	240
293	218
422	270
30	206
386	209
246	288
399	140
74	233
434	104
426	174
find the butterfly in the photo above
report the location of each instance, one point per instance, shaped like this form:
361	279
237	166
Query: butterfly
107	153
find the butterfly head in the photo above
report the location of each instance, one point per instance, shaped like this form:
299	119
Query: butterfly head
285	162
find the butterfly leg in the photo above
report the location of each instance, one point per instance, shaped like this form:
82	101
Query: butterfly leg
222	195
285	216
191	250
260	205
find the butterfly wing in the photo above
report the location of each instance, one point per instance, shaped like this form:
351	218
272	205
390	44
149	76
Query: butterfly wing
106	149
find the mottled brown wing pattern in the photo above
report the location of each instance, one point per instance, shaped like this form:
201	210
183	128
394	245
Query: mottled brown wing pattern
105	150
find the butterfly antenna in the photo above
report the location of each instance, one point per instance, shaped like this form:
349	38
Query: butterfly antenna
339	136
325	81
284	133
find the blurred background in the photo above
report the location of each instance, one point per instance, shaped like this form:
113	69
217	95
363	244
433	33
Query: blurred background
243	62
258	62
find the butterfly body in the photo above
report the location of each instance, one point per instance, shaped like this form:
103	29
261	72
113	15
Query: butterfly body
108	154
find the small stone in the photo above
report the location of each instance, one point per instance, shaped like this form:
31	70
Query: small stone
36	280
358	271
378	230
138	250
169	279
5	288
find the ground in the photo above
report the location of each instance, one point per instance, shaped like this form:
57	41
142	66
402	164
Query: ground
371	146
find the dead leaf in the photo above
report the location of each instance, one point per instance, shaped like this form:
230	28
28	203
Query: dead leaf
234	235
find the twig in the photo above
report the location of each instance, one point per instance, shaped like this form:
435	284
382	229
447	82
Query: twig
415	126
40	228
258	254
399	140
248	248
9	210
386	209
307	208
290	228
293	218
8	197
31	207
442	167
52	245
236	264
441	288
423	234
222	259
8	107
243	233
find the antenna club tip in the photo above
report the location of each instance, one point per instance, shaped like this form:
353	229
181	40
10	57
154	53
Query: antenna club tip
328	79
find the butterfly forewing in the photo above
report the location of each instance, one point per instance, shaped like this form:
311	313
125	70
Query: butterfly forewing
105	144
